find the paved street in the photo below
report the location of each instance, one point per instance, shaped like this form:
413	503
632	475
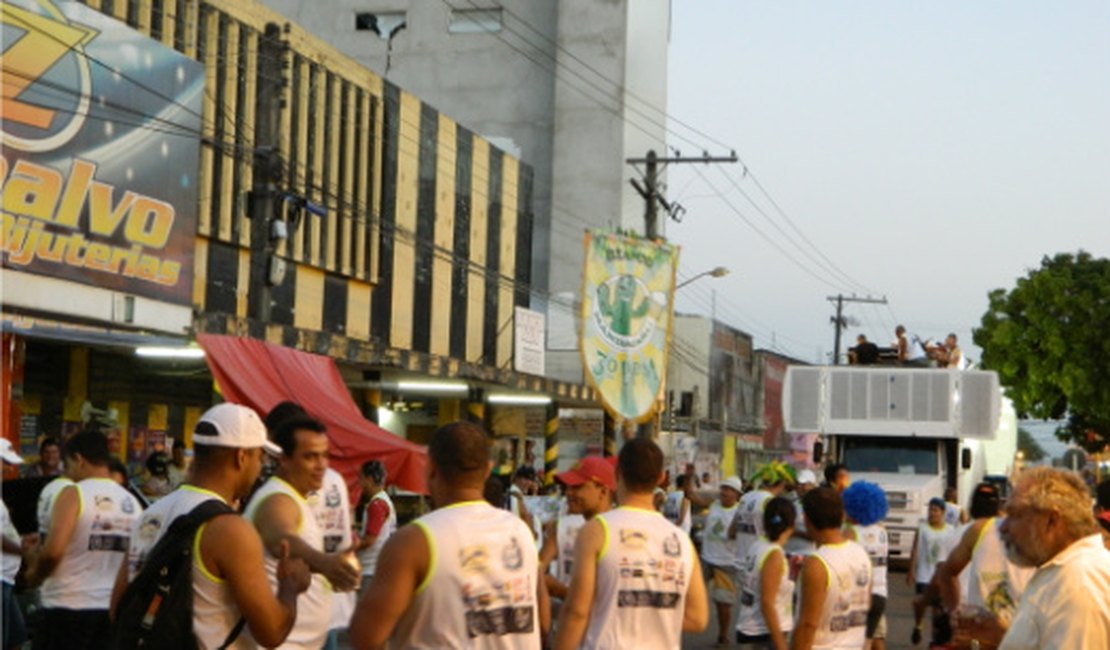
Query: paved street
899	620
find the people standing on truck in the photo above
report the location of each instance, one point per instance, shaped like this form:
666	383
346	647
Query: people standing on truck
954	515
977	572
835	580
718	551
637	582
865	506
865	353
935	540
766	589
911	349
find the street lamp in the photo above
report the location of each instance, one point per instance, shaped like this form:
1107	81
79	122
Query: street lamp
718	272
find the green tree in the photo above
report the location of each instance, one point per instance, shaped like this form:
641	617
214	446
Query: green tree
1048	340
1030	448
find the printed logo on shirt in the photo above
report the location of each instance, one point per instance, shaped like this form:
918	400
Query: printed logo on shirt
474	559
102	503
512	558
671	546
633	538
647	598
128	507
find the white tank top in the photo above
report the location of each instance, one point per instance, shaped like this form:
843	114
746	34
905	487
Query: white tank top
750	521
215	611
672	509
844	615
314	605
84	577
332	505
368	556
9	567
750	621
46	503
566	534
873	540
994	582
643	574
717	549
933	546
480	591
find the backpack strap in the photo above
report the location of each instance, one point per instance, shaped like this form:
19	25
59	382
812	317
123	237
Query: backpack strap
196	518
233	634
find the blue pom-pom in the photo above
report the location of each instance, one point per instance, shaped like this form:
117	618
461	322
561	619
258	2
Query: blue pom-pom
865	503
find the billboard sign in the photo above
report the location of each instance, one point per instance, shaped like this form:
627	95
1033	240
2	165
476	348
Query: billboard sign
528	350
100	151
627	310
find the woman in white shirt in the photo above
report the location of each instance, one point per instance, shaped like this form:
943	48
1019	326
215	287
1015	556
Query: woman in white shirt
766	590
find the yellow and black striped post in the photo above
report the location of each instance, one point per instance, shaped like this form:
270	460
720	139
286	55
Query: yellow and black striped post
609	441
551	444
476	407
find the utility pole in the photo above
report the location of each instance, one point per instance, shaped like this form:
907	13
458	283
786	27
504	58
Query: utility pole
653	199
267	228
838	320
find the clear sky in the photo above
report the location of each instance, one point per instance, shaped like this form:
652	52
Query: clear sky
932	151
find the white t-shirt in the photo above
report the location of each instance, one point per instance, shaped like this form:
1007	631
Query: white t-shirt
332	505
643	574
11	562
952	514
750	520
717	549
215	611
368	556
566	534
993	582
844	615
45	506
933	547
750	620
672	510
481	590
85	575
1067	601
314	605
873	540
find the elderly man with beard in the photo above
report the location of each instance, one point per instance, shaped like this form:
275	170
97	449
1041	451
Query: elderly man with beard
1049	525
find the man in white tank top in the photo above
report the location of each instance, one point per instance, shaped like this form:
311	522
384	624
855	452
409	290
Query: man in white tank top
332	506
835	580
379	519
229	581
77	564
637	582
462	576
281	513
590	485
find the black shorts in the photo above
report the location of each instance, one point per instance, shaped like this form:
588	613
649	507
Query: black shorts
875	614
72	629
15	632
756	642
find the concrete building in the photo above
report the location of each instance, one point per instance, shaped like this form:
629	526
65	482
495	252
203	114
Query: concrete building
573	87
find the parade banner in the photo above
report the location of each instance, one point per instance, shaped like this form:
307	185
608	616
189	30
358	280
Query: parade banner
627	307
100	151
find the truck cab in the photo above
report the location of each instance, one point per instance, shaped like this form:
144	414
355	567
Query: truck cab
914	432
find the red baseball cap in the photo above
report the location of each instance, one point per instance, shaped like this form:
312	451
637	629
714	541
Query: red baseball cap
590	468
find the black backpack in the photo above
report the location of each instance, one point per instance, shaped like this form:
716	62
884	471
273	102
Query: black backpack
156	610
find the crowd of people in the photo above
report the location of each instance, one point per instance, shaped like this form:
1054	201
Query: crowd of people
276	559
911	351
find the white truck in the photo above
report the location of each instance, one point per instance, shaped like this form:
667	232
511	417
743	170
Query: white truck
914	432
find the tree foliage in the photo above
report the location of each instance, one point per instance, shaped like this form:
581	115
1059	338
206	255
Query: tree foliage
1030	448
1048	339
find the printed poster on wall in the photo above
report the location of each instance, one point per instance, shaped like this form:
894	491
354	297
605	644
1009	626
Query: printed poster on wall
100	151
627	308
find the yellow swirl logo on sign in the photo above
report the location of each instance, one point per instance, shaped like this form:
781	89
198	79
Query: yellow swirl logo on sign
627	302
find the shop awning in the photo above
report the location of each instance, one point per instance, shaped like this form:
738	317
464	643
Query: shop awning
261	375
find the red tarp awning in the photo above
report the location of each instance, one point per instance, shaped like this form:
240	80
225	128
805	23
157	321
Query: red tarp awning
261	375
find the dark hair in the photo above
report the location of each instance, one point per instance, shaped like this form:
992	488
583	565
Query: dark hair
494	491
985	501
680	481
460	450
285	436
778	516
374	470
46	442
91	445
283	411
832	470
1103	495
824	508
525	472
640	464
116	465
157	463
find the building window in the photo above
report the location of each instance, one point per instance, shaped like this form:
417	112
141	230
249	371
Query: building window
475	21
383	23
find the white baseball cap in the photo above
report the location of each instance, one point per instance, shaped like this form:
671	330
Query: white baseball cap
8	454
806	476
735	483
233	425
